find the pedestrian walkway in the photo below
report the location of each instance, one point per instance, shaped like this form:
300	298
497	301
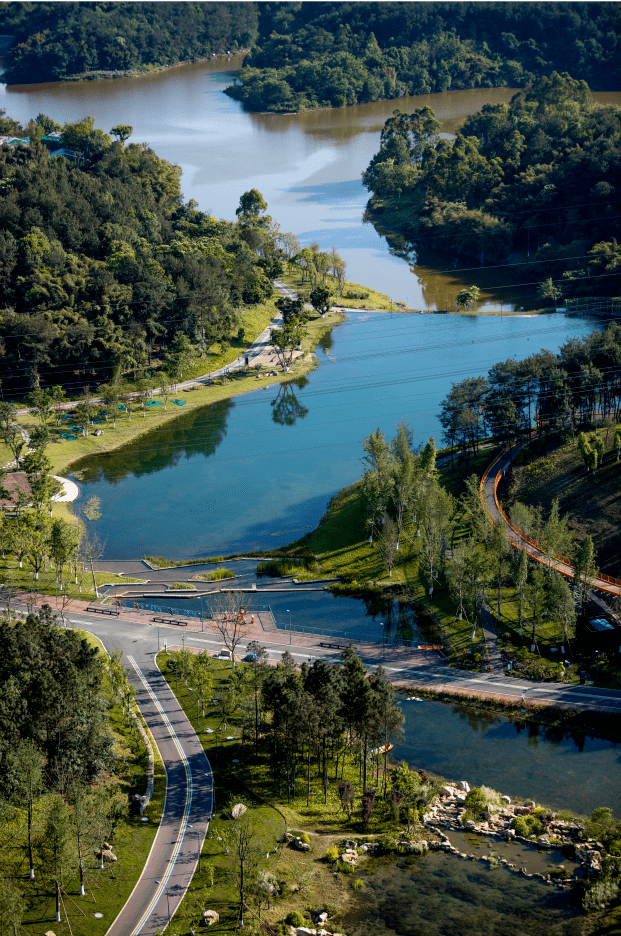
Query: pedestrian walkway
489	498
494	657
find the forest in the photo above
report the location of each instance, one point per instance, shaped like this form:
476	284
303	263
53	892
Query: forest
308	55
313	55
51	41
59	799
101	261
537	176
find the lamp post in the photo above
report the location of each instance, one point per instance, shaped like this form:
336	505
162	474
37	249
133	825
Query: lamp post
289	613
383	640
597	668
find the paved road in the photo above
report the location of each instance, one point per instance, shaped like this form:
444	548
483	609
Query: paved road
189	790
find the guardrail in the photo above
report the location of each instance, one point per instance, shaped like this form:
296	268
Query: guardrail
535	544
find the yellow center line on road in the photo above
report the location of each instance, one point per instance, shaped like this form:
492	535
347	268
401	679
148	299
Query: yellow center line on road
186	807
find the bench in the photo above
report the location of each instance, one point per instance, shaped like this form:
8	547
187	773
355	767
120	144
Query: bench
163	620
333	646
101	610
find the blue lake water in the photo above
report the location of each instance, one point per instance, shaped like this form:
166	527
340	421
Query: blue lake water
229	478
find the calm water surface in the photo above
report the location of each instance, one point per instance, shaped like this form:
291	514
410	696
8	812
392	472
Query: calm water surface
239	476
440	896
562	770
307	166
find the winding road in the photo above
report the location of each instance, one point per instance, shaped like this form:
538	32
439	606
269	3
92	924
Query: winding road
489	484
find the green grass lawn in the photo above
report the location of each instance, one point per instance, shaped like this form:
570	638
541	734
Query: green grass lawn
107	890
360	297
304	879
21	581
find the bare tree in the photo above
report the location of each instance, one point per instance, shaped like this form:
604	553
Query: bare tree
229	618
246	848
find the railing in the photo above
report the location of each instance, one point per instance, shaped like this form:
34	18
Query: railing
601	577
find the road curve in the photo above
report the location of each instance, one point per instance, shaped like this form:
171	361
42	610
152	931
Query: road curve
490	503
189	785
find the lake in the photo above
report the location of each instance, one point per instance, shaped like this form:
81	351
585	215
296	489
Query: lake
231	478
307	166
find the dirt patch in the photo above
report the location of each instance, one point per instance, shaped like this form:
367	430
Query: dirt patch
591	501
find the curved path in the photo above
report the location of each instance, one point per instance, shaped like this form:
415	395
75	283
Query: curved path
489	500
189	785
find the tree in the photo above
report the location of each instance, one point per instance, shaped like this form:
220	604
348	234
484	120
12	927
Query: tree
43	487
585	568
122	132
12	908
202	678
56	849
10	433
520	578
91	547
286	340
548	292
246	849
251	204
407	783
465	297
25	767
229	619
321	299
258	665
63	543
388	543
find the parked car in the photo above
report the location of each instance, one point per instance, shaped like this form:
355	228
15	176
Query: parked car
250	658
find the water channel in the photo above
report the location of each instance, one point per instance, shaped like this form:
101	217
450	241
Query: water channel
234	478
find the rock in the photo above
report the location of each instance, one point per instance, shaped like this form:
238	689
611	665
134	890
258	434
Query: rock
461	797
349	857
287	837
305	931
543	842
363	849
349	845
462	785
321	917
522	810
446	791
106	853
506	799
300	845
470	825
509	834
50	933
98	432
238	811
209	917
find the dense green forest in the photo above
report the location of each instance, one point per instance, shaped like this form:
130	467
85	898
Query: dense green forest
307	55
100	259
538	176
66	768
54	40
331	54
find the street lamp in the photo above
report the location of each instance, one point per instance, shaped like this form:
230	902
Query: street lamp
597	669
383	640
289	613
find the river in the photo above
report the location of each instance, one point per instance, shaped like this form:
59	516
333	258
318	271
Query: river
307	166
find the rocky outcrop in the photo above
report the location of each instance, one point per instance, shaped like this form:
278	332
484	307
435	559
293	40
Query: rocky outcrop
209	917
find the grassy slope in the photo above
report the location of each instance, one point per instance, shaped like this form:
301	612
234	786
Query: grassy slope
341	547
374	299
107	890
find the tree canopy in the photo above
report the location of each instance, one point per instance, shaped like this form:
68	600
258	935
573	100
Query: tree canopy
537	175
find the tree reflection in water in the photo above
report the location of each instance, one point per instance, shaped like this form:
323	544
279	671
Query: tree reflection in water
286	408
198	432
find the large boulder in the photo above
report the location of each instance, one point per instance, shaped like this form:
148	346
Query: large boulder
209	917
463	785
321	917
300	845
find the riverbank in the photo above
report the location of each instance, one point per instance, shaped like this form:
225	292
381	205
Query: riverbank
145	70
63	454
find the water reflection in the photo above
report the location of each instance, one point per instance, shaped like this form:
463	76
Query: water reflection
286	408
198	432
560	768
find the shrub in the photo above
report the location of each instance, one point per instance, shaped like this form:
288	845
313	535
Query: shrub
536	827
215	575
600	894
304	838
332	854
295	918
344	867
358	885
521	826
560	873
476	802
